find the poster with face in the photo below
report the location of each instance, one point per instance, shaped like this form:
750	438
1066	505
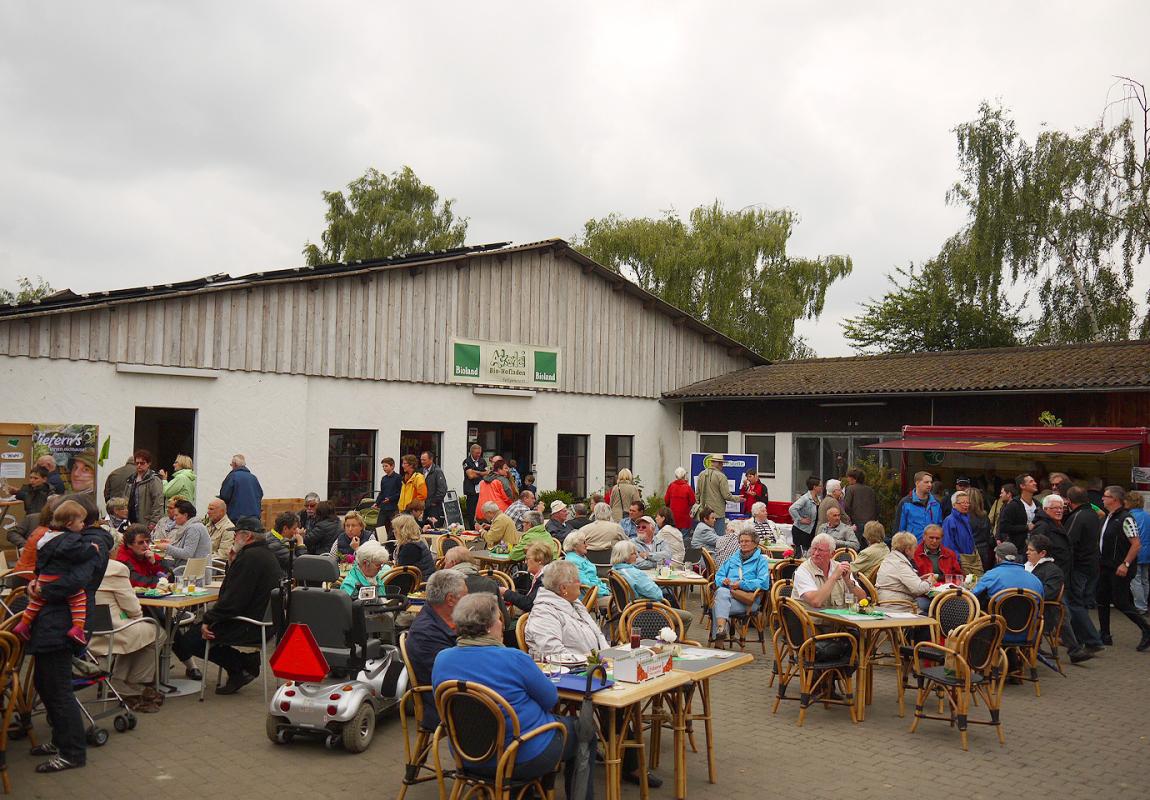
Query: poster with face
72	449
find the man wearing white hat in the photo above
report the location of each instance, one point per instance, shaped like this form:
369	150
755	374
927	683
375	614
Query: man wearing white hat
557	526
713	490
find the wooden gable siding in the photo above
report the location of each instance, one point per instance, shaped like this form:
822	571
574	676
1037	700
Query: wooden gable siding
394	324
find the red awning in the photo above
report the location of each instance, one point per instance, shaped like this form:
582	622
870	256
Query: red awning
1005	445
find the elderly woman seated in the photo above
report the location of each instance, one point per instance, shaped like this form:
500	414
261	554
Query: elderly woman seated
410	549
898	580
737	580
623	557
369	569
575	552
479	656
871	556
559	623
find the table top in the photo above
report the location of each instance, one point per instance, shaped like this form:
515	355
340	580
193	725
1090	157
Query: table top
709	667
873	623
182	600
677	578
623	694
488	555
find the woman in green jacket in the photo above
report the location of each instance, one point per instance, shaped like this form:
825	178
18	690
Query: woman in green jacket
370	567
183	480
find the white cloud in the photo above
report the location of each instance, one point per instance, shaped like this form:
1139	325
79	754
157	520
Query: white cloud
150	142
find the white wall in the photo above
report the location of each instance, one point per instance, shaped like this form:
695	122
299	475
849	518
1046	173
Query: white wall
281	422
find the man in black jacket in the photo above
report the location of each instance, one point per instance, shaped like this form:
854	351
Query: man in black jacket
1043	566
1082	528
1119	554
247	588
436	489
1017	518
474	467
390	487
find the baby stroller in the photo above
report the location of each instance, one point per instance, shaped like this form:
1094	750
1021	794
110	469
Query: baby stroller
87	672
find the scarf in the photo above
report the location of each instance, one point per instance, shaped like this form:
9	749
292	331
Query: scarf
485	640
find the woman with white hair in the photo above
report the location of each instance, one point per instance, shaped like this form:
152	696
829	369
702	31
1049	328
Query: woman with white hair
832	499
898	580
603	532
680	498
763	527
370	566
559	624
575	552
623	494
623	557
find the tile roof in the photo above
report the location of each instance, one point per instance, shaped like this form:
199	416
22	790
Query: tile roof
1101	365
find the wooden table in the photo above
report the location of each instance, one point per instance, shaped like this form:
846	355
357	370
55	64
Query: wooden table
679	581
869	630
621	708
700	672
500	561
171	604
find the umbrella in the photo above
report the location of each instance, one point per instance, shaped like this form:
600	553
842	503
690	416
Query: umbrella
585	736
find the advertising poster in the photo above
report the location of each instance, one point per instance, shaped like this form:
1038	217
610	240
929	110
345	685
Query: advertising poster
74	448
735	466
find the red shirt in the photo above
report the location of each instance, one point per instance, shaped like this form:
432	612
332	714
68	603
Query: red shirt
753	493
141	571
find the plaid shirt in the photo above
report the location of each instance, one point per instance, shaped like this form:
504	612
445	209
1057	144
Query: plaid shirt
726	547
516	511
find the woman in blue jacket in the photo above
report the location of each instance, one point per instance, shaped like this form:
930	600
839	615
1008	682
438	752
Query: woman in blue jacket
745	571
479	655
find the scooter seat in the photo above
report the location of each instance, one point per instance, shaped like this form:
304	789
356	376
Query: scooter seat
338	657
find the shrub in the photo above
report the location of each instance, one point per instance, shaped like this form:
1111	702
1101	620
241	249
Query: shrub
653	502
548	497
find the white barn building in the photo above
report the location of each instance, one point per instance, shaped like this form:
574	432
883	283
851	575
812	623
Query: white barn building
317	373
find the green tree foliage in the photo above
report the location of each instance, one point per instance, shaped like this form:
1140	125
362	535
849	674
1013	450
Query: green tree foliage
930	310
385	215
1067	215
728	268
26	292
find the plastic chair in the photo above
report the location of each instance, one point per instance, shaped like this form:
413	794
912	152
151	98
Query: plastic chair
102	617
975	666
476	722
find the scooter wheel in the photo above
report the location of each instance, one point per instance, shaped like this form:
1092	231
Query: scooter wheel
276	731
358	731
97	737
120	723
331	741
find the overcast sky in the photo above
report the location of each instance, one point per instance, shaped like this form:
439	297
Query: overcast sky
151	142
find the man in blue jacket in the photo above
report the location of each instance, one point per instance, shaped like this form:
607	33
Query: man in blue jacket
241	491
919	508
1010	573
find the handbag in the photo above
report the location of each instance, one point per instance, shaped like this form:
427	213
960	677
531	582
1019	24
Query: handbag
743	596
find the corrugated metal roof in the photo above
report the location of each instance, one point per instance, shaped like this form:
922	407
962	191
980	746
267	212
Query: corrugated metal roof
1102	365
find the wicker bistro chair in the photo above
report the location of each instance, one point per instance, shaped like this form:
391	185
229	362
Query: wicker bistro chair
476	722
11	654
974	666
1053	618
1021	612
445	542
402	580
19	693
755	617
817	675
785	569
952	608
846	554
415	752
499	576
622	595
521	632
778	591
589	597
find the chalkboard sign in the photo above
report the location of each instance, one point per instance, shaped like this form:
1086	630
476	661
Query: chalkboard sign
451	509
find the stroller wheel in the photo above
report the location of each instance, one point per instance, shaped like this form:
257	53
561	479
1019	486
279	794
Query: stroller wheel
97	737
132	721
120	723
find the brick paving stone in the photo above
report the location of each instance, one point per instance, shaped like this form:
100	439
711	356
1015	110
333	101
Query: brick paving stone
1085	737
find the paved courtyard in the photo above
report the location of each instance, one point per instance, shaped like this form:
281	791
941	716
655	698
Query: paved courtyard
1087	736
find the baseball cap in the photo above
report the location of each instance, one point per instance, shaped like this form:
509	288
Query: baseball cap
249	524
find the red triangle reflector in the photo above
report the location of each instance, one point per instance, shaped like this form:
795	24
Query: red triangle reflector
298	657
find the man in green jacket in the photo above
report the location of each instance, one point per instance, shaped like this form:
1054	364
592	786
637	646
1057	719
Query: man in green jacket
535	531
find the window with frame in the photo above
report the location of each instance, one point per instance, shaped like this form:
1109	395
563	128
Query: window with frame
350	466
571	465
713	443
415	442
617	456
763	446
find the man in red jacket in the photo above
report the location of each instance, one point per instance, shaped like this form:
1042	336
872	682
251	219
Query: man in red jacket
931	557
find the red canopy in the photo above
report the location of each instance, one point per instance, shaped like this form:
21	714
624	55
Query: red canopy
1014	440
1004	445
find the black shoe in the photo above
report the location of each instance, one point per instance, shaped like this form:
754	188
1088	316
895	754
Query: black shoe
653	780
1080	655
46	749
1145	643
252	664
193	674
1107	640
56	764
1092	649
235	683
